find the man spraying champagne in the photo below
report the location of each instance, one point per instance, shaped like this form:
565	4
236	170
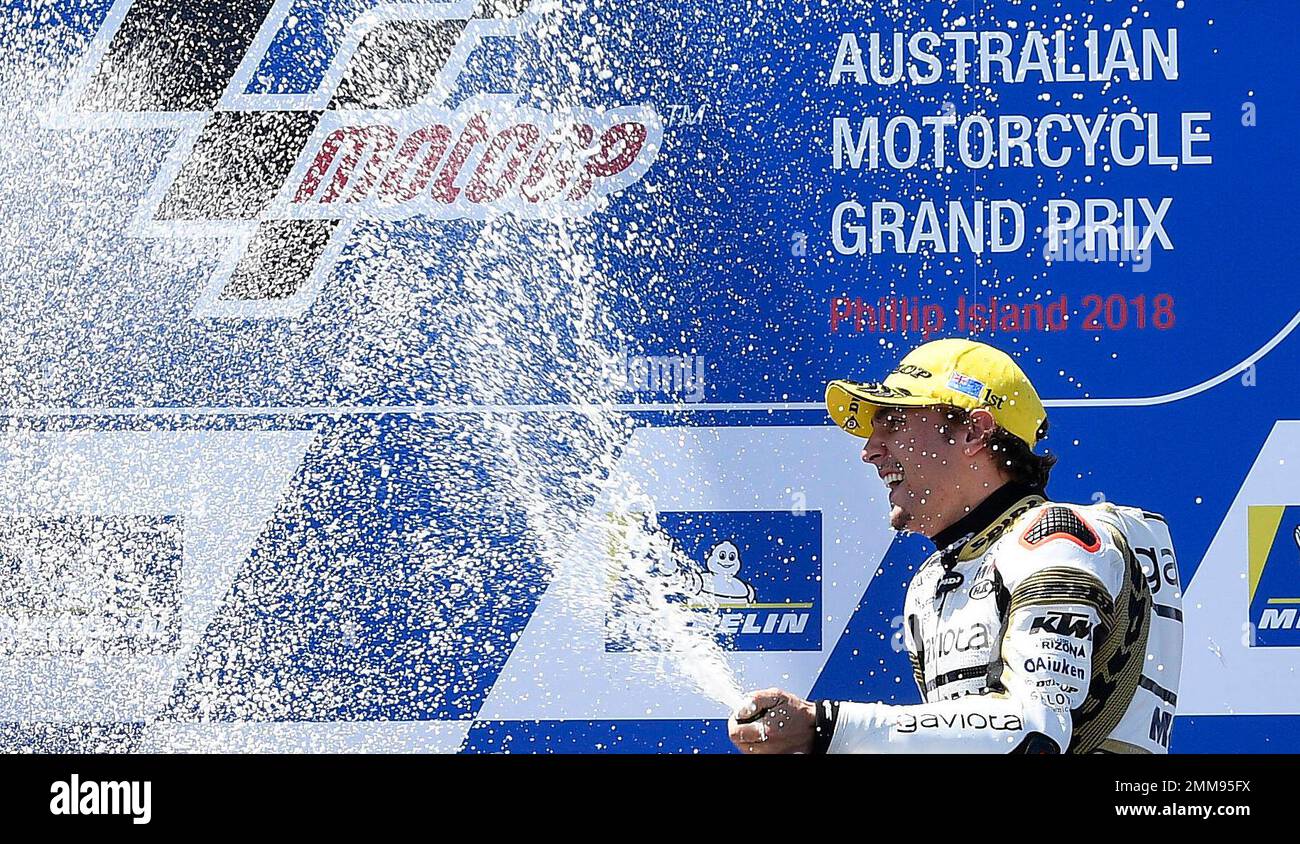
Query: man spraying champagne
1036	626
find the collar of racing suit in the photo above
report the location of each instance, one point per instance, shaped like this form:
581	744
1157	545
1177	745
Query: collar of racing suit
973	533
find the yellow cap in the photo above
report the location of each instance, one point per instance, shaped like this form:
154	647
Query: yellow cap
958	372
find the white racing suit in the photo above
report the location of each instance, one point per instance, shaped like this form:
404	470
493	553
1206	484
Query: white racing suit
1039	627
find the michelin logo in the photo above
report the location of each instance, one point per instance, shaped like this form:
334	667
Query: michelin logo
723	566
1274	575
105	586
713	580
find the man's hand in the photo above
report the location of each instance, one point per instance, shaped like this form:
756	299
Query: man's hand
788	724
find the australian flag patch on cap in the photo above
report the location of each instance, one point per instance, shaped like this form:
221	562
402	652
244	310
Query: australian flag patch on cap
965	384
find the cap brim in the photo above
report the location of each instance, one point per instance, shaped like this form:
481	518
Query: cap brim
852	404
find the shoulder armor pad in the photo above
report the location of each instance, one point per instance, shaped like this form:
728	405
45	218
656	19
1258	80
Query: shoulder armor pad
1055	521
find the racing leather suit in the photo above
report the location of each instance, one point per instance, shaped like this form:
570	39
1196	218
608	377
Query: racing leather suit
1038	627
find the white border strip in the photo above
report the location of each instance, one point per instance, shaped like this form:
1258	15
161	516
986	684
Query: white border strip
306	737
1190	391
665	407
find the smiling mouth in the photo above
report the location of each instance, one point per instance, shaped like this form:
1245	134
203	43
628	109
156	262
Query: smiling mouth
892	479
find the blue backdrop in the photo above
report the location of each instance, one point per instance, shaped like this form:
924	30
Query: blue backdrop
388	579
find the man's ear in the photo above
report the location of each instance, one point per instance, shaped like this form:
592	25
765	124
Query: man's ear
981	425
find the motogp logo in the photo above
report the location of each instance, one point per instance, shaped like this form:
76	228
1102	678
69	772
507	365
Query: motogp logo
283	148
532	165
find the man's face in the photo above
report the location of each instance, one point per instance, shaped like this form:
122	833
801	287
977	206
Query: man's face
919	455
